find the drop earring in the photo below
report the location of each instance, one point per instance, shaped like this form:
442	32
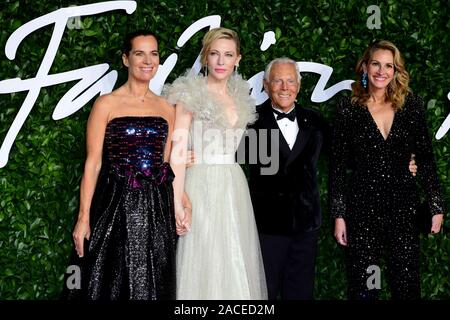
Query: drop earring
236	69
205	72
364	80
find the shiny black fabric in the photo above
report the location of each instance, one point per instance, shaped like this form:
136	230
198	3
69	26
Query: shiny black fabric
286	202
372	189
131	252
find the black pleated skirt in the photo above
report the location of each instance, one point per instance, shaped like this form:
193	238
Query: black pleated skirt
131	251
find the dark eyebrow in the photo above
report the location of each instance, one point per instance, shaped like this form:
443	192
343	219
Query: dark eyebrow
373	60
142	51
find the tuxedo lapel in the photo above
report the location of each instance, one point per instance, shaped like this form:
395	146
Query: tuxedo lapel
304	131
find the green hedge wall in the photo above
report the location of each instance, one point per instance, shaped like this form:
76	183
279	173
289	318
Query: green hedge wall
39	187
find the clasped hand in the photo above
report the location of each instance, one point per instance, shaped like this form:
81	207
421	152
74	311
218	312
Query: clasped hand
183	216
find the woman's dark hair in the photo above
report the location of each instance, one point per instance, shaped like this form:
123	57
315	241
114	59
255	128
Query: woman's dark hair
127	45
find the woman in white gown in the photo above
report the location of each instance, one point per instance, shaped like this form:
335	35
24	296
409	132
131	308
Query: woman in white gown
218	253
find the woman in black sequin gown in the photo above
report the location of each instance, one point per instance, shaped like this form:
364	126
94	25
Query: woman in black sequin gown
126	196
376	132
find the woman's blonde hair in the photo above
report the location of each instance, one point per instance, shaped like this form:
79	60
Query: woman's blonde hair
398	87
214	34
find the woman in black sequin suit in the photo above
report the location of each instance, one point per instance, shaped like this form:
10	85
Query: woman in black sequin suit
373	195
125	236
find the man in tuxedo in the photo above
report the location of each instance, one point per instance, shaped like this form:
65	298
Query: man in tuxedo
282	150
286	202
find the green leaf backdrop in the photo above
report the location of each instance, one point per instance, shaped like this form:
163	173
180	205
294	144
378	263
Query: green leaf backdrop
39	187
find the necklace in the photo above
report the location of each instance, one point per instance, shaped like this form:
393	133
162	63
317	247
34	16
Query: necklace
142	99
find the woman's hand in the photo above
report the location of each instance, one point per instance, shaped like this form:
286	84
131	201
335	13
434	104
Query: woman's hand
183	216
179	217
182	220
340	231
81	231
412	165
436	223
190	159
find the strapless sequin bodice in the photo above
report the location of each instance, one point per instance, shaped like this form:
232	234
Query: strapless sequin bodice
135	143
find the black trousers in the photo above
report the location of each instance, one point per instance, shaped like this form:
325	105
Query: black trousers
289	263
388	234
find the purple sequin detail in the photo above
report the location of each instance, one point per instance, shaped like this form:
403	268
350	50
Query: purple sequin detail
158	175
164	172
135	149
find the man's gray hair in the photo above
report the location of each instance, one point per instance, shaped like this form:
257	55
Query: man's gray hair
281	60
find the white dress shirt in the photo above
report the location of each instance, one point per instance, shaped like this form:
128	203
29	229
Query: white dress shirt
288	128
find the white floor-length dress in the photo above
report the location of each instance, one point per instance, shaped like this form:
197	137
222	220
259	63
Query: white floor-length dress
220	257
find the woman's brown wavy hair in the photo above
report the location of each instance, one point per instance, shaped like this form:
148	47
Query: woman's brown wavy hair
398	87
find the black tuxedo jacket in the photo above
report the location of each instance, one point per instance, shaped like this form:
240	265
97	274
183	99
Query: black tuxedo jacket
286	202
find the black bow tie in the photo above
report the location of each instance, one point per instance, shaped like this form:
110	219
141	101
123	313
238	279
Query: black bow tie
281	115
